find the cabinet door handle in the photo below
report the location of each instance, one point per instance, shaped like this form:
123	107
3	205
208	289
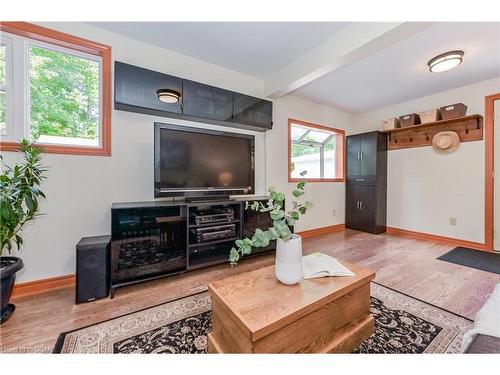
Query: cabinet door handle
358	155
357	205
361	154
361	205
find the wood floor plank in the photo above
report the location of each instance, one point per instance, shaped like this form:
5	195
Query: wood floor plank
401	263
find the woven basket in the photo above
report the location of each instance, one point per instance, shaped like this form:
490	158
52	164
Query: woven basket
389	124
430	115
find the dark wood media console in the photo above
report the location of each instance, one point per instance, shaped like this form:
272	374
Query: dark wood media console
150	240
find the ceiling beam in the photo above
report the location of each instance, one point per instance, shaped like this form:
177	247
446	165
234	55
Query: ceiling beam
352	43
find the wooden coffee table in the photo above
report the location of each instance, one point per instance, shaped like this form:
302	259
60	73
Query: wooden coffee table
254	313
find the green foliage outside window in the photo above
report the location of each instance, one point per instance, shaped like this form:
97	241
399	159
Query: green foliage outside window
2	93
2	64
64	94
2	113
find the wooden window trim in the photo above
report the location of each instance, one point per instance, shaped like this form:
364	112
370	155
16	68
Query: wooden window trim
339	156
61	39
489	168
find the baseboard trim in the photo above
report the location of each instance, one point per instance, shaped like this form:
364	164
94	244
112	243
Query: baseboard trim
436	238
58	282
44	285
320	231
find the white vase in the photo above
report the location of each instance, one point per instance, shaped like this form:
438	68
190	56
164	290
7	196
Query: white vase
288	266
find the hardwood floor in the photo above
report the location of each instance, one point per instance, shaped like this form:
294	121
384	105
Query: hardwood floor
404	264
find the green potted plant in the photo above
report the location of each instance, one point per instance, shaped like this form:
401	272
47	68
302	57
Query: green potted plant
19	189
288	266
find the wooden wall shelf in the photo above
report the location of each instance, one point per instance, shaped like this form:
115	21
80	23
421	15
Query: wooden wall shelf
468	128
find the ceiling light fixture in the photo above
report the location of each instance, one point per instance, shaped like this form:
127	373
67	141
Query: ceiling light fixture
168	96
446	61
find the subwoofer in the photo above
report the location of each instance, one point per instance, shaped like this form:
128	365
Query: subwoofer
92	268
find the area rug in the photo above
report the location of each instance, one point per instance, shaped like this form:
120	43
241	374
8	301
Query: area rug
402	325
480	260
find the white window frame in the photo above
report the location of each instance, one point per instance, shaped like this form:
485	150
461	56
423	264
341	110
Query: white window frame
338	134
8	88
315	144
19	107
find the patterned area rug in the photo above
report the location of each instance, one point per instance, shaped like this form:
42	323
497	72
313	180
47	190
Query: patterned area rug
402	325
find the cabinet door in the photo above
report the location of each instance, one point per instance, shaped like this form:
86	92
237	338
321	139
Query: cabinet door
252	111
368	154
206	101
352	214
136	89
367	206
147	242
353	155
360	207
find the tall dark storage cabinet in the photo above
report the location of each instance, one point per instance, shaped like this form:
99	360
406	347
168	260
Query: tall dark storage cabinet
366	189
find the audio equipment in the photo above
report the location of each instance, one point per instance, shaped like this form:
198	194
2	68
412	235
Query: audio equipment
215	233
213	216
92	268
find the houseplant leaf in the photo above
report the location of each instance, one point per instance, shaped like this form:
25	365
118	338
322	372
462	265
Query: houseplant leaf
19	193
282	222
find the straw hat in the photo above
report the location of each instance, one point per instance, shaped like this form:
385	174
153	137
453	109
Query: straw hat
444	142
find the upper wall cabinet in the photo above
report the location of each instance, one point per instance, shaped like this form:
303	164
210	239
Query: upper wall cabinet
206	101
366	157
253	111
136	91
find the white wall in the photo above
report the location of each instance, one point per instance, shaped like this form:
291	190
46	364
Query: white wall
425	188
81	189
326	196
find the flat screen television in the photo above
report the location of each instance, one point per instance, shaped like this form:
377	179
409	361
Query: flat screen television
195	162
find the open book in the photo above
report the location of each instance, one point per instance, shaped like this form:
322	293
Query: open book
321	265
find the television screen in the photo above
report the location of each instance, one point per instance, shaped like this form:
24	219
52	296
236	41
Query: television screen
192	161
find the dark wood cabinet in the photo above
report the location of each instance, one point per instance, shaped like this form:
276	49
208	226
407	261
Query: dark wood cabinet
147	242
353	145
366	155
252	111
207	102
155	239
365	208
366	190
360	202
136	91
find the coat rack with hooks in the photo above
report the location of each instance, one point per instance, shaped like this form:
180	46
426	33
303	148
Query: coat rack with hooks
468	128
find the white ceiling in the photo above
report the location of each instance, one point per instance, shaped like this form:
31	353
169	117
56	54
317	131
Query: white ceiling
257	49
352	66
400	73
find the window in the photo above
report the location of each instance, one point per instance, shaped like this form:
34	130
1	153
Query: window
55	89
3	91
315	149
5	85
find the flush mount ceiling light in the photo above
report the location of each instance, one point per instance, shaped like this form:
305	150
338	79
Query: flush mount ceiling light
445	61
168	96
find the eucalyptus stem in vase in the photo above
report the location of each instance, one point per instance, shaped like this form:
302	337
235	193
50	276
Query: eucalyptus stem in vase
281	230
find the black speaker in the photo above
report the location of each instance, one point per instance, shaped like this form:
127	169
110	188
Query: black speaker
92	268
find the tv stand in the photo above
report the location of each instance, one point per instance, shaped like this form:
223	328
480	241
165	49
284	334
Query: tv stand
150	240
208	198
